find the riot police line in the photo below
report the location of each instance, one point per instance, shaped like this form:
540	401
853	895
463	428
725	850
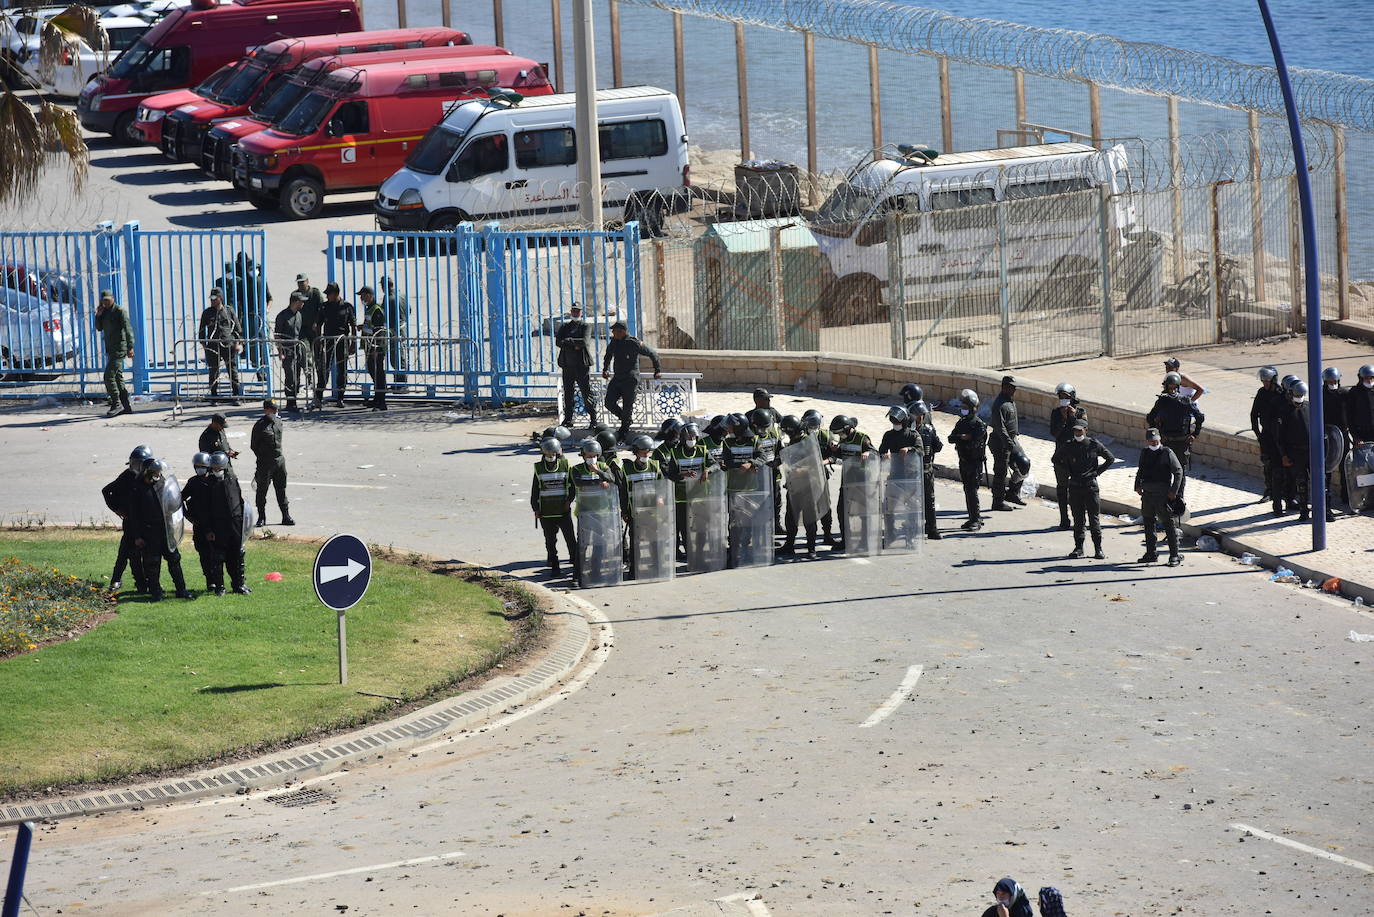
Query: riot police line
153	509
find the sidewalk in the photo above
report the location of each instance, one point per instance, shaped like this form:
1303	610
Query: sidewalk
1221	502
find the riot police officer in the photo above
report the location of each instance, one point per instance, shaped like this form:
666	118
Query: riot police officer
1293	449
1084	459
1334	399
1157	479
813	424
151	517
688	462
608	443
847	442
551	496
194	495
1179	421
637	471
970	440
591	478
667	436
713	438
928	441
1062	418
769	437
1264	419
118	494
899	440
1003	429
224	518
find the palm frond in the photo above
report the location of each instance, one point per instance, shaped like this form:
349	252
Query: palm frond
28	138
77	23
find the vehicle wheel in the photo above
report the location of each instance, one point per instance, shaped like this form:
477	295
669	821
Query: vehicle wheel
852	300
447	222
124	132
263	201
302	198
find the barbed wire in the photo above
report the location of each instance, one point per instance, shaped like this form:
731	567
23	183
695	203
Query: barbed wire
1111	62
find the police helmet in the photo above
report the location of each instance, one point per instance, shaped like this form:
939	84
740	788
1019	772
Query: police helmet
969	399
201	462
737	424
690	430
1366	371
642	443
591	447
1066	390
1172	379
140	455
1298	390
911	392
839	423
1286	383
600	427
898	416
153	469
1268	374
1331	374
759	419
919	409
716	428
810	412
670	429
606	440
551	447
1171	363
790	425
812	420
219	460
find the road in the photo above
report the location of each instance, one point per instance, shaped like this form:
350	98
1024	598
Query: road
1090	725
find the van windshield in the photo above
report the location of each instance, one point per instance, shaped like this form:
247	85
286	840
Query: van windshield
307	115
133	60
211	84
241	86
277	98
435	150
846	204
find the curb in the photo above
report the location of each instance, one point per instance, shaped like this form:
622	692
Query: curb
1229	544
452	715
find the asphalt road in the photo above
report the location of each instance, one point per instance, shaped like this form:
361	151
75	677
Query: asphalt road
1090	725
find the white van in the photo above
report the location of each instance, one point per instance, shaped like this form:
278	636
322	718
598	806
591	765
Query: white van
463	168
948	237
79	61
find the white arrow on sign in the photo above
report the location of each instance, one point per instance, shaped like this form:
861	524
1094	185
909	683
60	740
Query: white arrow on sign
350	570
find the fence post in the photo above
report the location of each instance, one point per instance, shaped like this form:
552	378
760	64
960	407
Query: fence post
1003	281
660	287
875	97
742	81
468	246
401	14
494	266
556	16
1297	307
946	109
615	44
1095	110
1104	231
14	889
775	287
680	63
633	302
1019	85
1256	207
1214	275
132	265
812	161
498	21
1176	187
1342	217
896	286
446	13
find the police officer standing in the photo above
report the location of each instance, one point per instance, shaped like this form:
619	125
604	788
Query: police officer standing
1264	420
224	515
1004	427
375	333
286	332
118	494
551	496
112	322
970	439
398	322
1062	419
1158	477
220	335
312	315
1294	424
1179	422
194	494
620	365
1084	459
687	462
928	441
338	324
574	342
1359	408
149	515
1333	413
214	439
271	467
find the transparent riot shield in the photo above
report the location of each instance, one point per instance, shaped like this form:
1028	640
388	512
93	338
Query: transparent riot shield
861	520
1336	447
751	519
704	538
652	530
808	496
598	536
173	518
249	520
904	503
1359	471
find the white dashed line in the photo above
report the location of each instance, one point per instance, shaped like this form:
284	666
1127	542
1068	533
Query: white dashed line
348	486
913	674
341	872
751	901
1325	854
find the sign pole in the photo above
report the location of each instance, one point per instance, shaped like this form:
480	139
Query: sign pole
343	648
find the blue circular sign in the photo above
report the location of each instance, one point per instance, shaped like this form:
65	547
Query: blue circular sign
343	568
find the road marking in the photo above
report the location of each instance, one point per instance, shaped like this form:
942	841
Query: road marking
341	872
751	901
861	560
1326	854
349	486
913	674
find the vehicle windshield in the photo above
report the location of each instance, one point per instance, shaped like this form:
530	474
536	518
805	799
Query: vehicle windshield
123	38
278	97
241	86
846	204
133	60
435	150
214	81
307	115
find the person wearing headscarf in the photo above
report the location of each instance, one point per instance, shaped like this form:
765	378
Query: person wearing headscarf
1051	902
1011	901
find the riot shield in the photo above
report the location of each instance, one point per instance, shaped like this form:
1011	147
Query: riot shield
751	520
903	503
249	520
651	514
808	496
598	536
705	538
1359	471
173	517
1336	447
861	519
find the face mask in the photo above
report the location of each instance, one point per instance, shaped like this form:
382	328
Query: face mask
1079	437
689	441
896	425
1064	402
1333	385
1301	400
1153	447
218	472
963	412
1367	383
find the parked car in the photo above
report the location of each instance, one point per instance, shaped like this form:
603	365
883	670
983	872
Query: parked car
19	30
80	62
38	320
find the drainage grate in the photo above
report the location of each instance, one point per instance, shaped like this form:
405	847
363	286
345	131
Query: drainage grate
302	797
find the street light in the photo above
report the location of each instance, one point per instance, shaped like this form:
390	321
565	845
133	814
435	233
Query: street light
588	147
1316	428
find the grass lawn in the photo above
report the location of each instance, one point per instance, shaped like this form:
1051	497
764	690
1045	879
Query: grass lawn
168	684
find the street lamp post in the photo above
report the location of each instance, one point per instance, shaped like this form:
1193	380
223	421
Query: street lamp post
588	147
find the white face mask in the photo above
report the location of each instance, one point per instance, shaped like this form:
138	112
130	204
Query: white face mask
1333	385
963	412
1301	400
1153	447
1367	383
217	472
689	441
1064	402
1079	437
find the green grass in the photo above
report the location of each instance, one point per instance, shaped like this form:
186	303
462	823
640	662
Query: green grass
41	604
173	683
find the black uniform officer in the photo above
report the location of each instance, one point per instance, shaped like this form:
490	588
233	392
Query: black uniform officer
338	324
1084	458
1179	421
219	333
900	440
763	401
1294	424
149	518
1359	409
118	494
970	439
312	321
551	496
1157	478
213	439
1003	428
1333	415
224	522
271	465
929	442
1062	419
574	342
620	365
1264	418
286	332
194	494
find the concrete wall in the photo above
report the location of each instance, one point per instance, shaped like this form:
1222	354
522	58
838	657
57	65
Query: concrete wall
1220	445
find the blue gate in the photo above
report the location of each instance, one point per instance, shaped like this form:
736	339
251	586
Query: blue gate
475	310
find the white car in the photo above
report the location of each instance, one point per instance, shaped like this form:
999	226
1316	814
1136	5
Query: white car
79	61
18	31
38	322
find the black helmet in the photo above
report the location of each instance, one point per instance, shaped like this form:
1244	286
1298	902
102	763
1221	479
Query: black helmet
790	425
1298	390
898	416
690	430
716	428
562	434
919	409
839	423
759	419
738	425
1331	374
1268	374
812	420
668	430
140	455
606	440
1172	378
1286	383
551	447
642	443
590	447
219	461
911	392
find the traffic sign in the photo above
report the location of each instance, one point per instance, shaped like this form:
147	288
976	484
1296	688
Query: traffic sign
343	570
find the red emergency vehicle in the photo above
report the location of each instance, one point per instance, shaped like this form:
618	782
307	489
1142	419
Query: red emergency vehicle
357	125
189	44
